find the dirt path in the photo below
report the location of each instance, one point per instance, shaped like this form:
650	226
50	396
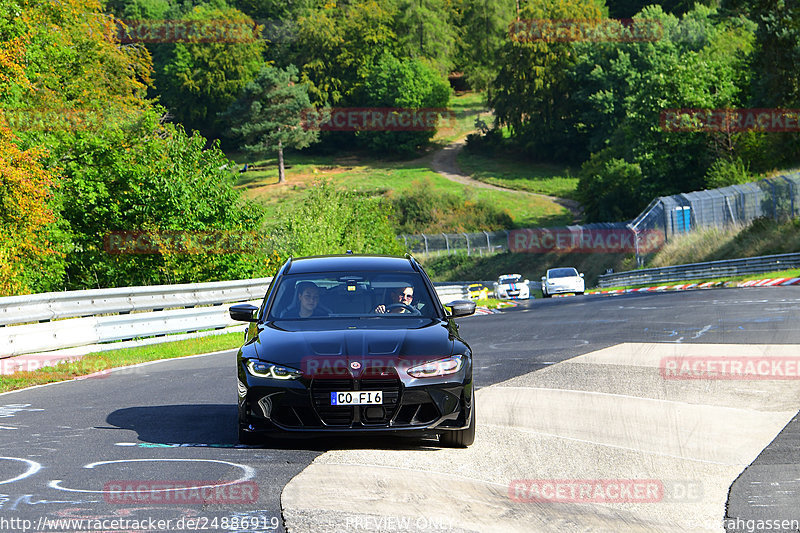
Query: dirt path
444	163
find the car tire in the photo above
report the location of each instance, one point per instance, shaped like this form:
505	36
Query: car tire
461	438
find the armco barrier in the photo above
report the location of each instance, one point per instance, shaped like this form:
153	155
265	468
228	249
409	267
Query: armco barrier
68	304
32	338
710	269
93	328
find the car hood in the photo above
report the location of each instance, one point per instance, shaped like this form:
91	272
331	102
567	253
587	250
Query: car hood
291	343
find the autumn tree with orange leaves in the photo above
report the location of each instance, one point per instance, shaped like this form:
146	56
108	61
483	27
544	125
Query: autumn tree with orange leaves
26	220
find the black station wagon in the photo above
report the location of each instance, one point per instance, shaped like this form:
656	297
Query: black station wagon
355	344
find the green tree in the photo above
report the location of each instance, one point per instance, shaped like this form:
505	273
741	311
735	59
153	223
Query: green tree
426	30
153	178
268	116
200	78
406	84
483	28
336	45
609	188
776	73
104	160
531	93
628	8
700	63
274	10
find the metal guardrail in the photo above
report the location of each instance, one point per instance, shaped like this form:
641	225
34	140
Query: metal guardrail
121	324
68	304
710	269
73	332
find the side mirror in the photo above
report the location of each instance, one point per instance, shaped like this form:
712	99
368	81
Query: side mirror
581	275
544	278
244	312
526	281
460	308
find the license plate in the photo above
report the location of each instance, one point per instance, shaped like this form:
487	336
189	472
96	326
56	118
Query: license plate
359	397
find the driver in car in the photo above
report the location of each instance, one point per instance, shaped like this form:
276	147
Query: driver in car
400	298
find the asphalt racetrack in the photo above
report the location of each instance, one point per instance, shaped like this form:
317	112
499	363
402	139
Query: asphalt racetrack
572	393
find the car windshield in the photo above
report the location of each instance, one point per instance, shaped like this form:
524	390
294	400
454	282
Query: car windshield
348	294
563	273
510	279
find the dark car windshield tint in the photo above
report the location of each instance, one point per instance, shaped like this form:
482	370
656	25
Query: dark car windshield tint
348	294
563	273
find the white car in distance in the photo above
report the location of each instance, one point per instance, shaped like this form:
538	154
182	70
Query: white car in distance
562	281
512	287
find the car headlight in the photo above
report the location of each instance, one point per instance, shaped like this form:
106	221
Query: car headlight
442	367
268	370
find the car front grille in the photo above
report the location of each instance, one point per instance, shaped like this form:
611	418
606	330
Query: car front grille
331	415
369	415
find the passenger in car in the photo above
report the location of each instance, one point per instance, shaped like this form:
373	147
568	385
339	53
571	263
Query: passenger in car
307	303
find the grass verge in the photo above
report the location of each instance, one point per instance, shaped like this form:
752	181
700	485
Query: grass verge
493	303
552	180
100	361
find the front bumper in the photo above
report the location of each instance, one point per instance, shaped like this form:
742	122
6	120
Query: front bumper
564	289
513	294
425	405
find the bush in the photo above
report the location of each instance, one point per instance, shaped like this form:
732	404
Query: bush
488	143
409	83
423	209
724	172
332	221
609	188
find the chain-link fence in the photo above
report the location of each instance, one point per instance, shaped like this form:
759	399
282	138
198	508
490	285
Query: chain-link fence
664	218
483	243
777	198
532	240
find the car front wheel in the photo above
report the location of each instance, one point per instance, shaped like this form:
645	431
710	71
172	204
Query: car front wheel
463	437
